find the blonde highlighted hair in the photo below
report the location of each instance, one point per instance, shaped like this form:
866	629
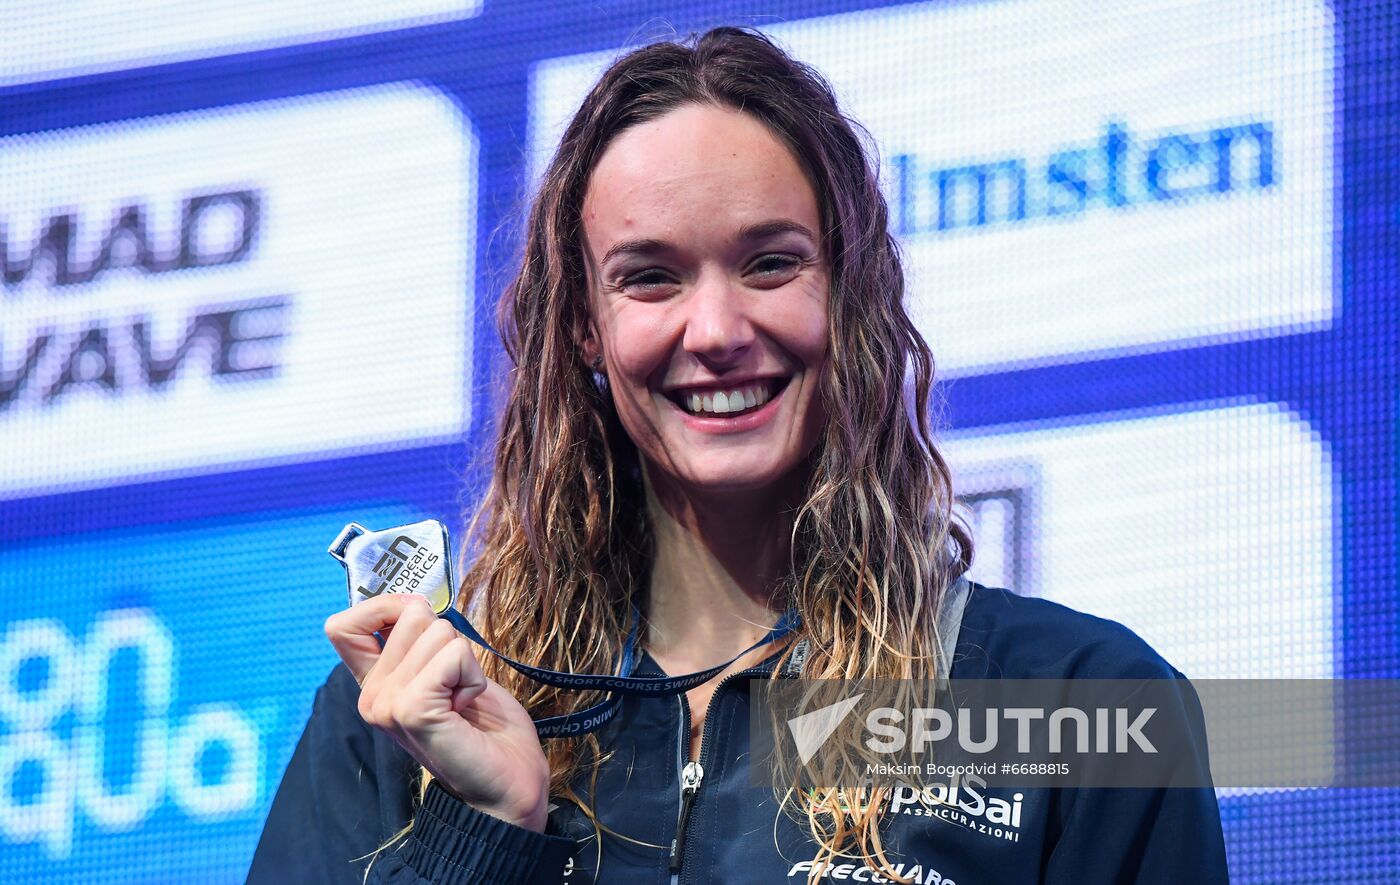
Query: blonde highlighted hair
563	527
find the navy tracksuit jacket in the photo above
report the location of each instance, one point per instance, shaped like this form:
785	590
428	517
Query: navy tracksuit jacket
348	789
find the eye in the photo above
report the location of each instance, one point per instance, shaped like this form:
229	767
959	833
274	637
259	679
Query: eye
776	265
648	280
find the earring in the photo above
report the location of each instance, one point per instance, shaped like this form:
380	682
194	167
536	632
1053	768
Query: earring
597	362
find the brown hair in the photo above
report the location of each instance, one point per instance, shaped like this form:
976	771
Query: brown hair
563	526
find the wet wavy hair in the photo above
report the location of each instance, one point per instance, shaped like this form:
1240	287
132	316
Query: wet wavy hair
560	548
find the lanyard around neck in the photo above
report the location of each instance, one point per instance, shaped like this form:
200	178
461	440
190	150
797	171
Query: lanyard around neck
623	684
417	559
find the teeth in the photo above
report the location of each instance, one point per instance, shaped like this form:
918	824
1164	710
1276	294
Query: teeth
724	402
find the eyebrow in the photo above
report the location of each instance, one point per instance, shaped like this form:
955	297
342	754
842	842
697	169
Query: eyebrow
754	232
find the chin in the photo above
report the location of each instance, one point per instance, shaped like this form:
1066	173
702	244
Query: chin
730	478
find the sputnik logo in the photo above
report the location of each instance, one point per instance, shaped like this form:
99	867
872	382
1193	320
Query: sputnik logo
810	730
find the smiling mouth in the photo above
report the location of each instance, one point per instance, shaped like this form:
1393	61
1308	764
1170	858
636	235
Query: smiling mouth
728	402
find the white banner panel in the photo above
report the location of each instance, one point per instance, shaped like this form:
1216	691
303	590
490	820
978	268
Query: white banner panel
252	283
43	39
1208	532
1071	177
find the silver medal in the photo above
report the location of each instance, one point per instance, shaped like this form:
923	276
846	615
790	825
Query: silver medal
413	558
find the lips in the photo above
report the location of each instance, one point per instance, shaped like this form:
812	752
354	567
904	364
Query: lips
728	401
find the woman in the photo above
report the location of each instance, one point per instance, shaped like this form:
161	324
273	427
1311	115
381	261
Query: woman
709	421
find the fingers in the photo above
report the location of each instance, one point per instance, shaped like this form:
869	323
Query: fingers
387	700
452	677
415	616
352	631
390	686
437	634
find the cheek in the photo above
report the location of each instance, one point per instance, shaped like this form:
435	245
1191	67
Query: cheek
815	345
637	347
809	341
807	326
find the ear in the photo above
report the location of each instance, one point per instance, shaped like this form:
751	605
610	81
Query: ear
587	341
590	347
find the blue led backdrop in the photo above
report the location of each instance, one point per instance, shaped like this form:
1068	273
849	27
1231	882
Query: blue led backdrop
250	253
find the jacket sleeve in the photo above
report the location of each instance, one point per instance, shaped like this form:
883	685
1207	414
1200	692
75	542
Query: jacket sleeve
349	790
453	842
1141	835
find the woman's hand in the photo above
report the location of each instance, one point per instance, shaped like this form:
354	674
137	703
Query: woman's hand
426	690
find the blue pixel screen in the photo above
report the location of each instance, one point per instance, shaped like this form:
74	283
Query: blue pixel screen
249	256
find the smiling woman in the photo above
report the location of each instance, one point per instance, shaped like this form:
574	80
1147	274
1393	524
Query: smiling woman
718	413
709	306
709	294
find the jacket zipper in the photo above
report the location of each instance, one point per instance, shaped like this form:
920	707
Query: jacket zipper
691	776
693	772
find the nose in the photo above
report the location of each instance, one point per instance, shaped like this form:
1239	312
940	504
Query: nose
717	326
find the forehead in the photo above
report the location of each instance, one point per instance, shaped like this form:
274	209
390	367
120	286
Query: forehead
696	172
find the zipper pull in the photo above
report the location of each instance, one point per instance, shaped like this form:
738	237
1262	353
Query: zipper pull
691	776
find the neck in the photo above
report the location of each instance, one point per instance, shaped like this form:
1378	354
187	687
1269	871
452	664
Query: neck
718	562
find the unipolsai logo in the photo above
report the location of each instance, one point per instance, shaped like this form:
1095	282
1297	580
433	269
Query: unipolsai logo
63	730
